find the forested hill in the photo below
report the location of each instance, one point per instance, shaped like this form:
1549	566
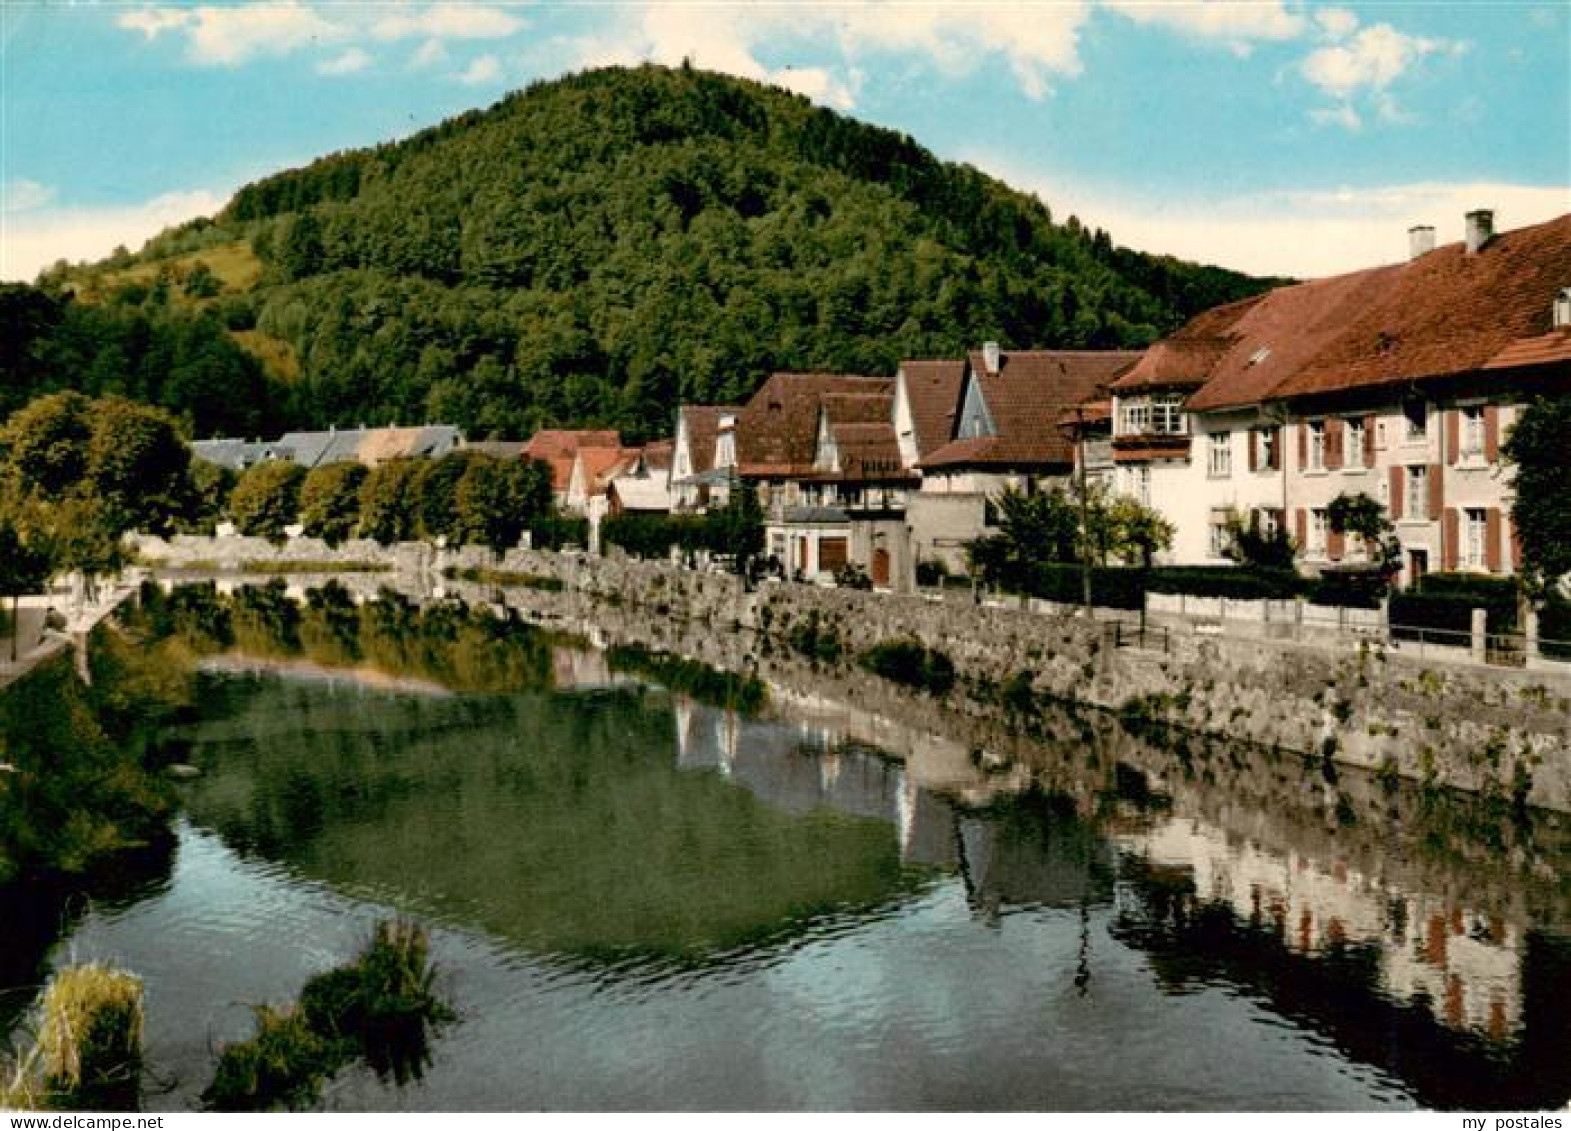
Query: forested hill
596	249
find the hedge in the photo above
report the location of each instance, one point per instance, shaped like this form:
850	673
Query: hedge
1236	583
1554	628
1445	602
653	535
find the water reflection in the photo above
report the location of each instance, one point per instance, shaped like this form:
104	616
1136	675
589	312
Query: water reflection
673	905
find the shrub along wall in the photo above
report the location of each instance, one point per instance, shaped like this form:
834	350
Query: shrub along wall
1445	602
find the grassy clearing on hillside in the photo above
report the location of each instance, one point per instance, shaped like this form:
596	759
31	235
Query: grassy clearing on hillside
234	265
276	355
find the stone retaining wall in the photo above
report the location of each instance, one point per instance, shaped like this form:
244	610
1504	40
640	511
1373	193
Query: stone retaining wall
1488	730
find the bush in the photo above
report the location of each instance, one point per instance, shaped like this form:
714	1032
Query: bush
92	1038
1350	589
1233	583
931	573
909	663
1445	602
554	531
1554	628
1112	587
653	535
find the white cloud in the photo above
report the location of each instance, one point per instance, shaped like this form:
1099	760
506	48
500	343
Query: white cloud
487	68
1240	25
350	62
1304	233
432	52
229	35
1338	23
448	21
23	195
1037	43
33	241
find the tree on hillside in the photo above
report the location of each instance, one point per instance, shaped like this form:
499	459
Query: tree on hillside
1541	512
267	499
330	501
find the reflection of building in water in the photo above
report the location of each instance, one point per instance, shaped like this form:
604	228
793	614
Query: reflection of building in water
1034	852
799	767
1465	965
580	668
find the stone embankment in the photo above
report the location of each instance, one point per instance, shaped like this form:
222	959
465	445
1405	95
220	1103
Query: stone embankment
1493	731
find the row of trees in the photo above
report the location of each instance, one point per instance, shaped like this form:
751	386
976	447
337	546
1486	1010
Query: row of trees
464	498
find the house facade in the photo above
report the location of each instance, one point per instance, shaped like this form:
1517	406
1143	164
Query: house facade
1399	382
1008	431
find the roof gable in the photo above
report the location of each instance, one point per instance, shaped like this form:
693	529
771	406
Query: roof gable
777	430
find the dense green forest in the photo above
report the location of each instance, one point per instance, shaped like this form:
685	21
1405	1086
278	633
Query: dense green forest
596	249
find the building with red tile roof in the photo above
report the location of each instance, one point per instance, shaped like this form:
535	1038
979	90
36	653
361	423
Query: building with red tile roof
1398	382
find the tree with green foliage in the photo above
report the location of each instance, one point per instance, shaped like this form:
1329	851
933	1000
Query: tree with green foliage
1360	515
437	496
497	500
23	569
45	443
137	464
1132	531
737	529
208	500
1251	544
267	499
1042	526
330	501
389	501
1537	447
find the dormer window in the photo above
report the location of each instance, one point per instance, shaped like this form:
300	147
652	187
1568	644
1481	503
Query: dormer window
1162	414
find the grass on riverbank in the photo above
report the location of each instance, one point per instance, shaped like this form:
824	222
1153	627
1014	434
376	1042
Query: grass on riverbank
381	1007
88	1056
268	565
505	578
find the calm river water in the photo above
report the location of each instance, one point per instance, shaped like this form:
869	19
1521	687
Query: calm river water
638	901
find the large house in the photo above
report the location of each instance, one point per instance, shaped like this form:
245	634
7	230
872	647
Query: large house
1398	382
1007	430
702	455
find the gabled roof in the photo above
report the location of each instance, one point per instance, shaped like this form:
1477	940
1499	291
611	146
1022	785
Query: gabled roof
657	455
858	408
640	494
777	430
601	465
558	443
1545	349
868	451
933	396
1185	359
703	425
312	449
1276	337
1447	312
1027	399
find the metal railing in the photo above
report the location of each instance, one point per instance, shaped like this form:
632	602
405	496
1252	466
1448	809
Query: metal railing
1126	634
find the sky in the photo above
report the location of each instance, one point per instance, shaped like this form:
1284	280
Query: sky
1272	136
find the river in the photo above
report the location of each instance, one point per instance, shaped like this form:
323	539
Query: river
640	900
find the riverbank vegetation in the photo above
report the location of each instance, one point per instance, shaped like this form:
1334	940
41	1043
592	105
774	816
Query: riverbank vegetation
381	1008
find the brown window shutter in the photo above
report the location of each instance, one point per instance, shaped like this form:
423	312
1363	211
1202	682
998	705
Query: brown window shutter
1453	434
1333	444
1369	440
1492	539
1254	449
1301	523
1437	491
1397	485
1276	448
1450	534
1491	433
1335	543
1303	445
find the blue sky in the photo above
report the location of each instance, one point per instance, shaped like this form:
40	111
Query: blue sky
1272	136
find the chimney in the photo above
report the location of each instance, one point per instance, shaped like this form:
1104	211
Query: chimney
1480	229
990	356
1562	315
1420	240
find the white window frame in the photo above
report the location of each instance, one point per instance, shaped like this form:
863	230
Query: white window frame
1219	458
1353	444
1475	537
1415	506
1317	445
1220	540
1470	437
1319	532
